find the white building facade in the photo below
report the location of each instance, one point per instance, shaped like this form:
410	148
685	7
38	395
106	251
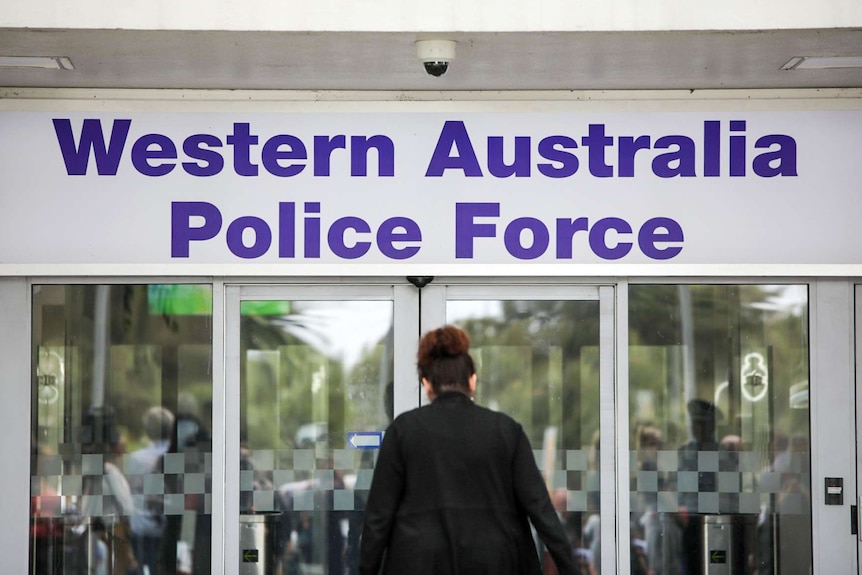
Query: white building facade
245	215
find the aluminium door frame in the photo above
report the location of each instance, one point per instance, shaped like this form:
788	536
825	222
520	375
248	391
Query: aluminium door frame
226	400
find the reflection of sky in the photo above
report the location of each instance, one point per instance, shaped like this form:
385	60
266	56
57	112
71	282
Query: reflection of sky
457	311
788	298
344	329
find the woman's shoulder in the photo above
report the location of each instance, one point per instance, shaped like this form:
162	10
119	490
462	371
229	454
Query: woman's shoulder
474	412
500	421
501	416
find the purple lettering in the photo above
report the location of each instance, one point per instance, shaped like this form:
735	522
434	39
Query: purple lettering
628	148
520	166
283	147
677	163
466	229
286	229
153	147
737	149
454	133
389	233
194	148
242	140
712	148
323	148
599	239
596	142
335	237
182	232
359	148
312	230
512	238
92	139
548	149
262	237
566	230
657	230
784	157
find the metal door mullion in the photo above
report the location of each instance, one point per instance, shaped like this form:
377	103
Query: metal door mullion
406	326
229	431
219	431
854	485
432	314
612	522
622	447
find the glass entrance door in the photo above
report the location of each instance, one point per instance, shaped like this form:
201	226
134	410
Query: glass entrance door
315	374
719	423
545	356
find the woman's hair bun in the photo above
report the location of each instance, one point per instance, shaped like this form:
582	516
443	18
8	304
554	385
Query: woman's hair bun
444	359
448	341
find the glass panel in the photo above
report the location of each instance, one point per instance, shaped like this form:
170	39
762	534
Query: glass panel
538	361
720	466
316	395
122	401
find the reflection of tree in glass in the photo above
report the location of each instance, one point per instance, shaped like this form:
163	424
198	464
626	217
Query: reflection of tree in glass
282	397
151	357
727	322
547	333
309	382
366	384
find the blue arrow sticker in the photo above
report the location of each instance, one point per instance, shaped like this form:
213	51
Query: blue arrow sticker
365	439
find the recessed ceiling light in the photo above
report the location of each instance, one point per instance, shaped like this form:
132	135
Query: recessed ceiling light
44	62
822	62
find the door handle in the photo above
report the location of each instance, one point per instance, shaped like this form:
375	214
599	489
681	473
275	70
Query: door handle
854	520
856	527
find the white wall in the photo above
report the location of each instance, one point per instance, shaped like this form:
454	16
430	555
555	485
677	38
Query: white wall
833	448
438	16
15	418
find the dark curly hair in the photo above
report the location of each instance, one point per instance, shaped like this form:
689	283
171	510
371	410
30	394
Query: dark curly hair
444	359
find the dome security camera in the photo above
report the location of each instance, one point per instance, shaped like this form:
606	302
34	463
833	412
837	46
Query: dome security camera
435	55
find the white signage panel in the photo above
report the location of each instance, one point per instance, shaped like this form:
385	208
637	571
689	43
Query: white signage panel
431	188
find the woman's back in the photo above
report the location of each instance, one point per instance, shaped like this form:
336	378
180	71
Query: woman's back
455	484
457	455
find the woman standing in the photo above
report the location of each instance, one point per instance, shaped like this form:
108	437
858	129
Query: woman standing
456	485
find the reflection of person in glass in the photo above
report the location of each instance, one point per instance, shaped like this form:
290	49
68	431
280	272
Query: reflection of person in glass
787	511
456	485
703	418
147	523
107	497
655	532
46	527
190	438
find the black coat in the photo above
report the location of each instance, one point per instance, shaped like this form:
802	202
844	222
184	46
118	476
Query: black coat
453	489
